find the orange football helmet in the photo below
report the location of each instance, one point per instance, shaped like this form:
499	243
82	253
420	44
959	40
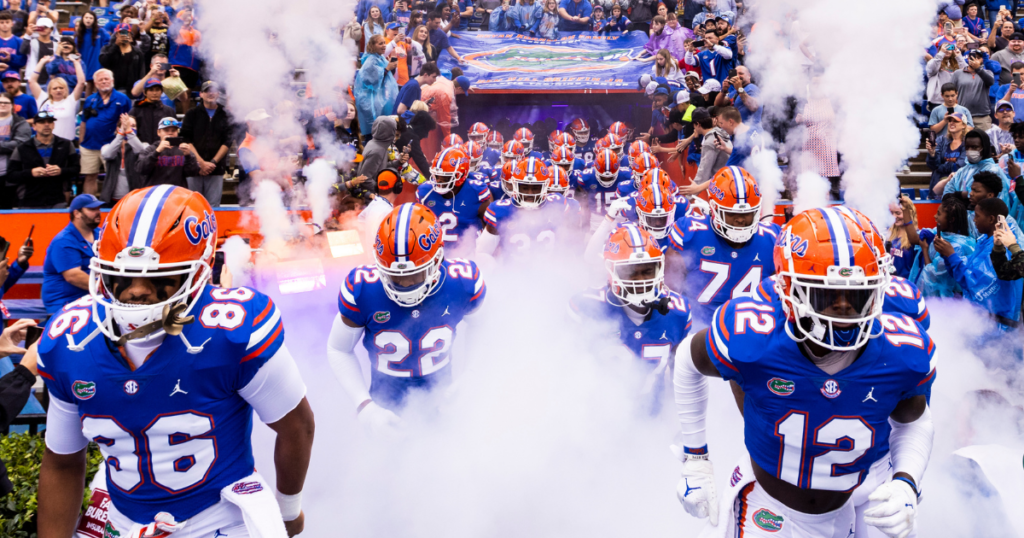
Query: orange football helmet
155	232
830	279
734	193
644	163
657	176
554	139
507	170
656	209
615	143
475	151
513	151
867	227
563	158
495	140
635	264
580	130
530	183
478	132
559	180
451	140
606	167
409	251
638	148
568	141
525	137
621	130
449	170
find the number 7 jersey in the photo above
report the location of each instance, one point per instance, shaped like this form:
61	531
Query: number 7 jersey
810	428
410	347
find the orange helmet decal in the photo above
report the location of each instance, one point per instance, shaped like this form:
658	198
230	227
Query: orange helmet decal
451	140
410	234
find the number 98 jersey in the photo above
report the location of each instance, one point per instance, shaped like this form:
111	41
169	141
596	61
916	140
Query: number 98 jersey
813	429
410	348
177	429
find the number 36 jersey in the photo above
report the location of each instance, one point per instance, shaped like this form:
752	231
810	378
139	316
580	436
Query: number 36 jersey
177	429
410	347
813	429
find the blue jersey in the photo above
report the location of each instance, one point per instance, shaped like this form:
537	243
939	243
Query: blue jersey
175	430
716	272
712	65
410	347
497	193
599	196
652	343
625	188
901	297
459	215
682	206
586	152
522	230
492	156
801	424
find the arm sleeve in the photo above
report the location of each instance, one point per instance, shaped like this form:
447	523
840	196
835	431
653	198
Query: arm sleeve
596	244
66	257
708	157
64	428
724	52
487	243
341	355
147	162
276	388
691	390
911	445
109	151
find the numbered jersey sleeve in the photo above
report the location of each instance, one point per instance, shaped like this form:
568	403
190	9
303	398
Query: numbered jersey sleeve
911	347
903	297
351	289
684	229
423	190
480	190
468	275
739	331
498	212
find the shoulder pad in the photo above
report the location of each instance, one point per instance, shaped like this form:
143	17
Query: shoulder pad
916	348
351	290
740	327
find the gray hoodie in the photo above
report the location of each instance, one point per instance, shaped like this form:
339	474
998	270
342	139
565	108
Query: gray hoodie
375	152
711	160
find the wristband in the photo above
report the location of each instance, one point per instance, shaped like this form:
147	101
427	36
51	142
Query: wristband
699	453
908	481
291	505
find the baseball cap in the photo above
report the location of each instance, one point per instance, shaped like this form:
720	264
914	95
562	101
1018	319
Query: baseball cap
85	200
724	17
645	79
953	12
167	123
10	74
1002	104
152	83
210	86
710	85
259	114
1017	36
692	74
392	26
463	83
44	115
43	21
661	90
699	115
958	116
682	96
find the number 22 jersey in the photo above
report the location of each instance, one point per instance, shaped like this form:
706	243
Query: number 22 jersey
410	347
810	428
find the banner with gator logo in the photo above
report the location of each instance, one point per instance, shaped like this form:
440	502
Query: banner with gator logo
582	61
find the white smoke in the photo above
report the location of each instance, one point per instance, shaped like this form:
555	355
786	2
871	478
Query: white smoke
321	175
236	257
811	192
764	165
276	226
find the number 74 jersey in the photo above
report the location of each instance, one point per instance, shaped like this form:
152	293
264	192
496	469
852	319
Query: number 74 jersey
810	428
410	347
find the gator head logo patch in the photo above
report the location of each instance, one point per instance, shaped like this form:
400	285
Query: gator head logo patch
110	532
846	272
767	520
136	252
781	386
83	390
708	251
381	317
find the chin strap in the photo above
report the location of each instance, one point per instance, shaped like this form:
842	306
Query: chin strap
172	323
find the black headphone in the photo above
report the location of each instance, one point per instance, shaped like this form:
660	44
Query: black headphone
399	183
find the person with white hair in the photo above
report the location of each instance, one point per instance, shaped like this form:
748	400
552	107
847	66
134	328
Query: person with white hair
101	113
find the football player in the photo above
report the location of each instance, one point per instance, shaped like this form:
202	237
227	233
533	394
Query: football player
163	371
724	255
654	209
597	185
530	218
512	151
645	162
405	308
651	320
525	137
478	133
494	142
569	143
501	186
564	158
458	202
621	130
561	185
638	148
844	385
617	144
479	170
580	130
554	142
451	140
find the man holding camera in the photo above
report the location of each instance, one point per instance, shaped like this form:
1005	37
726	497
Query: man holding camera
123	58
149	110
170	162
740	92
101	113
972	84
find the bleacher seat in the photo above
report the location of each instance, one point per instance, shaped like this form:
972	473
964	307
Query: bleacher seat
26	308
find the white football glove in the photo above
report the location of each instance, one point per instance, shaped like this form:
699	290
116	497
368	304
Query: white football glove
163	525
617	207
378	419
696	489
894	513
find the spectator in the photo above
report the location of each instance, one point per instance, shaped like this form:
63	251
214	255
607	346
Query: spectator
903	248
713	60
746	140
439	96
979	153
16	385
14	131
667	67
121	155
929	271
662	38
939	118
575	15
401	48
401	15
940	71
972	84
1010	55
597	19
374	23
413	89
184	43
66	266
10	44
90	40
375	88
987	185
24	105
149	110
707	94
59	102
974	24
207	130
998	41
101	112
999	135
420	125
547	24
386	132
156	27
947	155
124	59
258	158
421	49
363	9
160	69
439	39
389	185
166	163
500	18
976	274
712	10
1012	92
743	94
641	14
1003	240
617	21
43	165
9	275
61	64
1012	162
997	8
38	45
712	156
460	86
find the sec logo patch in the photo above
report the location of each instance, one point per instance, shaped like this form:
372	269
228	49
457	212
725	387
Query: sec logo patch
131	387
830	389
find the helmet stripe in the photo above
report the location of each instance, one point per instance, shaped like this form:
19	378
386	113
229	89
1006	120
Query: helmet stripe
741	185
636	238
402	232
656	191
842	248
146	216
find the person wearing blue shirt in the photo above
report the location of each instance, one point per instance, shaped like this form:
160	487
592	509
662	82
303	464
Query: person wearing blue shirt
575	15
439	39
524	14
713	60
413	90
9	275
741	93
10	44
101	113
363	9
24	105
976	275
66	268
